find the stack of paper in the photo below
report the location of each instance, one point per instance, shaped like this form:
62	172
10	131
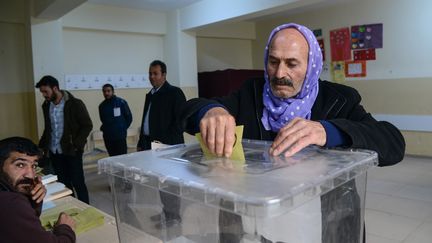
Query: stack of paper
48	179
55	190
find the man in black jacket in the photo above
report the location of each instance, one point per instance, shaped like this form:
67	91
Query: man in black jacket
67	126
160	123
161	109
21	195
293	108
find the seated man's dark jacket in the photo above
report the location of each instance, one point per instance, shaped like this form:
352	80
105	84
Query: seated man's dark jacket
335	103
19	221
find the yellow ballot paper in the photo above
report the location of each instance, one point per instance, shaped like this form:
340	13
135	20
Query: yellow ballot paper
237	154
85	219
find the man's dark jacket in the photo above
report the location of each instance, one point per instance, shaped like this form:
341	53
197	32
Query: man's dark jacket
114	127
163	118
335	103
77	126
19	221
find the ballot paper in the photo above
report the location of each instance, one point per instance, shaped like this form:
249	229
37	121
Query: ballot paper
85	219
46	179
237	153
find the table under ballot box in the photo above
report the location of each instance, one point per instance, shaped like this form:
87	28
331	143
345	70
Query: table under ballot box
317	195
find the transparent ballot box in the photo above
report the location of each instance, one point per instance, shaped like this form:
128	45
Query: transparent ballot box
177	194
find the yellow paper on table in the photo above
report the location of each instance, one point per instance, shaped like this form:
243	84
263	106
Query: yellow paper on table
237	154
85	219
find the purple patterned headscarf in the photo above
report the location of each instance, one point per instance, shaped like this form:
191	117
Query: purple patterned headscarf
279	111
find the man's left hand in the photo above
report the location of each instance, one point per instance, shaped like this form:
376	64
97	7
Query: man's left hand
296	135
39	191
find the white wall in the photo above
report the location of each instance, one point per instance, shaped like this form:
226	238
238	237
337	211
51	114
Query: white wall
223	53
398	83
107	52
103	17
100	39
223	46
208	12
180	52
407	39
234	30
47	46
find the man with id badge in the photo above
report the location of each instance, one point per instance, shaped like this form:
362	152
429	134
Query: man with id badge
116	118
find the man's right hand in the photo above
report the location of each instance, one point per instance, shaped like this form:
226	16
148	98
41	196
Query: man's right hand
217	129
66	219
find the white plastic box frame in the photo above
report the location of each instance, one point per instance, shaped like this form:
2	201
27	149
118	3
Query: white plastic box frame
317	195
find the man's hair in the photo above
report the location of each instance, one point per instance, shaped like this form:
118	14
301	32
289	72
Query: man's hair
48	81
107	86
17	144
159	63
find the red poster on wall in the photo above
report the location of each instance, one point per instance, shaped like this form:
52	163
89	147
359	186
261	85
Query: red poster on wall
340	44
368	54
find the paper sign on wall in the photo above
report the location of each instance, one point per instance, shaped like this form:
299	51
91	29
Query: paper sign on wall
96	81
338	71
355	69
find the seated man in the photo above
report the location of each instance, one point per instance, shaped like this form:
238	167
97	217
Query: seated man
293	108
21	195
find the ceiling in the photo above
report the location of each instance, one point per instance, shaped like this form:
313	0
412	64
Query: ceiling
156	5
169	5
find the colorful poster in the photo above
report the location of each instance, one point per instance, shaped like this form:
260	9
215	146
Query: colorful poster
368	54
321	44
338	71
367	36
340	44
355	69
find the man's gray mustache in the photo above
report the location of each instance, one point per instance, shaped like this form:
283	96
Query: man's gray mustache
282	81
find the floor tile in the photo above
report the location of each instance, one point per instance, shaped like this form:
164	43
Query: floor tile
416	192
378	239
389	225
374	200
407	177
422	234
411	208
384	187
